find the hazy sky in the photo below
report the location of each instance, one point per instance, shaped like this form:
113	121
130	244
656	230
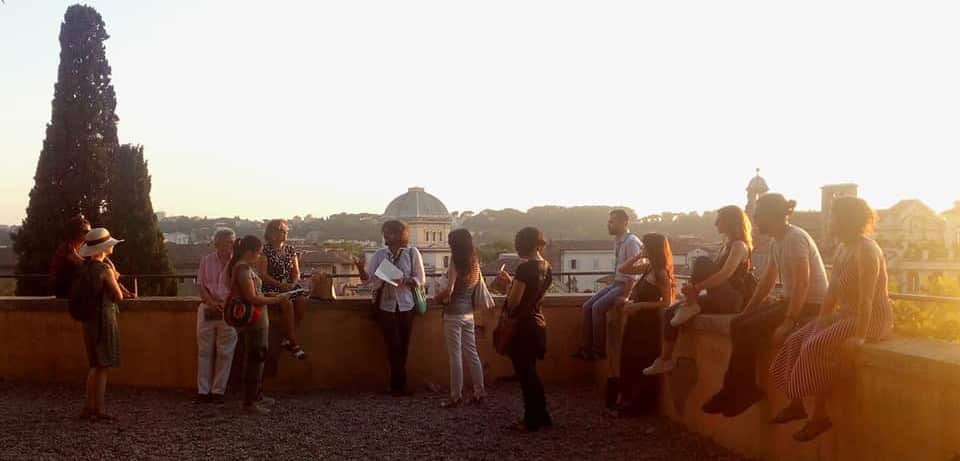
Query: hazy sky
265	109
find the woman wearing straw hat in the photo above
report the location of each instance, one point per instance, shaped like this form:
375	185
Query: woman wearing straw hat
101	335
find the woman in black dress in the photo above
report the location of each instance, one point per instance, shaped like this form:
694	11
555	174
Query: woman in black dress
524	310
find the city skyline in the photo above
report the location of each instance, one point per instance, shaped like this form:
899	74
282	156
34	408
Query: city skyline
654	107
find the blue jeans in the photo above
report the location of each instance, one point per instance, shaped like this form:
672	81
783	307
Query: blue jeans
595	317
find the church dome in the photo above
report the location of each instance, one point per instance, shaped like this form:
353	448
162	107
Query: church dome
414	204
758	184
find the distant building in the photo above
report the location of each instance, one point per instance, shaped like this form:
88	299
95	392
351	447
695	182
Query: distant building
429	222
178	238
919	243
334	262
573	256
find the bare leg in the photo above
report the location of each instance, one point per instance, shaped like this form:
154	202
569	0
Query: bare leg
90	400
288	322
667	352
299	308
101	389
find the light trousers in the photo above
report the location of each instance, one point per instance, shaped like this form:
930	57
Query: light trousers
216	342
462	344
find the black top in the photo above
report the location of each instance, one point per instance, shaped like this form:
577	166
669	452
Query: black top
279	265
531	324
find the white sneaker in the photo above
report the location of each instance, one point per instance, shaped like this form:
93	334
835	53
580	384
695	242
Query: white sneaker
659	367
684	314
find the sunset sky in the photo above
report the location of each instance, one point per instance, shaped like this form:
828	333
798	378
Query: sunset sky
265	109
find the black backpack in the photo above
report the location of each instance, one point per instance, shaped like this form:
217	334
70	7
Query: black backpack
86	294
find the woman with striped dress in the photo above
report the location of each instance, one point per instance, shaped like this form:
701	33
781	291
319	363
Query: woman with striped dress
856	310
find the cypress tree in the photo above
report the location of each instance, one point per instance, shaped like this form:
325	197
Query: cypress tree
130	216
81	140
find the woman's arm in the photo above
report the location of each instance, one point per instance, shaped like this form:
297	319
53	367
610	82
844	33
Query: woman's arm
444	294
868	269
418	274
764	286
516	293
266	277
630	266
110	285
249	292
738	253
295	270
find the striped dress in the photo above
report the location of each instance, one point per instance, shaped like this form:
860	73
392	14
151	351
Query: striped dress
807	363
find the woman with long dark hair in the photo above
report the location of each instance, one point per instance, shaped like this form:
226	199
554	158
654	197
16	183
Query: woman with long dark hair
67	260
246	286
527	341
654	290
459	326
280	269
856	310
726	281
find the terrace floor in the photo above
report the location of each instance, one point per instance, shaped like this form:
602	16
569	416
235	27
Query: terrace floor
39	422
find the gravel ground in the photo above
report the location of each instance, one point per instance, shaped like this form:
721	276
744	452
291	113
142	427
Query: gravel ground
39	422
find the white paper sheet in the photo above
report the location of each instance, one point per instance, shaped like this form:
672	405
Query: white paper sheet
388	272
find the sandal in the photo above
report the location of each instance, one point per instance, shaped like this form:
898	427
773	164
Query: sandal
87	415
294	348
789	414
812	430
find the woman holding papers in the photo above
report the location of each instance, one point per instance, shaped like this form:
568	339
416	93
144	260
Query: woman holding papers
394	272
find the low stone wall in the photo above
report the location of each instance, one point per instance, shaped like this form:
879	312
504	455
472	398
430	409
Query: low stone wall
41	343
901	401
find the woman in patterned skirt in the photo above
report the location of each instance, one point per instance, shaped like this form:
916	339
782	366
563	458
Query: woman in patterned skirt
856	310
280	269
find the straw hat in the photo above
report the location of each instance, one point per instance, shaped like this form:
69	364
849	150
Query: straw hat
97	241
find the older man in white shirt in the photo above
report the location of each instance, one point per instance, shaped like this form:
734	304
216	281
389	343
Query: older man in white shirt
216	340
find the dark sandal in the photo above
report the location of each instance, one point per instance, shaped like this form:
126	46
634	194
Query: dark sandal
298	352
789	414
812	430
87	415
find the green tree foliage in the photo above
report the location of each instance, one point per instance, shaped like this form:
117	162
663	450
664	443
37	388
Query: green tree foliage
930	320
490	251
81	140
130	217
584	223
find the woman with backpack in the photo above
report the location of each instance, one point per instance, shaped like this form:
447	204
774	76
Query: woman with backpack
463	279
246	310
93	299
727	281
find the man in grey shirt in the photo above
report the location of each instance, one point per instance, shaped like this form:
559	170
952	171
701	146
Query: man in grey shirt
595	310
796	262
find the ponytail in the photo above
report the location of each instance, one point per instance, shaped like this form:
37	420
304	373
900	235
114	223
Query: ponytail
241	247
